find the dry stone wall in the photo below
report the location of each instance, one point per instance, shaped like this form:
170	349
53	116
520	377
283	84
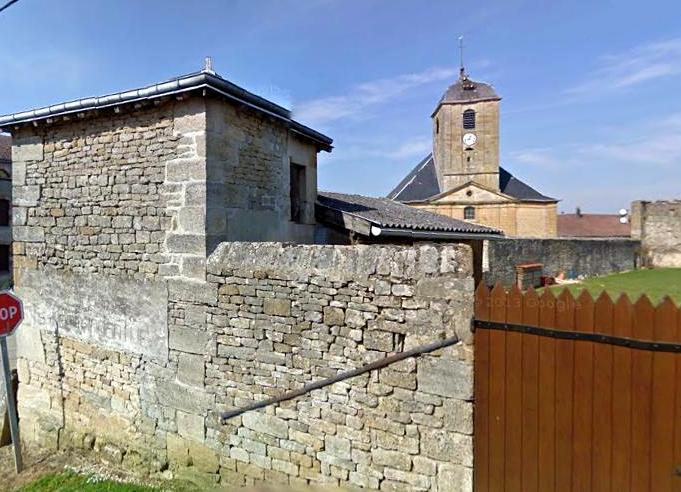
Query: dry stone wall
111	195
658	226
270	318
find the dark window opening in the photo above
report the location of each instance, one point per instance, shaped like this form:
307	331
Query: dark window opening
4	258
298	192
469	119
437	125
4	212
469	213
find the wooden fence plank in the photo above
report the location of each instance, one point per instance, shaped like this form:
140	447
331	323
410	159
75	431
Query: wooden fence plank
663	391
481	392
641	388
583	396
565	320
621	399
514	366
497	391
677	410
547	396
530	396
602	393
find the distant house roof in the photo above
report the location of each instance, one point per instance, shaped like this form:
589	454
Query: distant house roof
370	216
592	225
5	148
421	184
204	80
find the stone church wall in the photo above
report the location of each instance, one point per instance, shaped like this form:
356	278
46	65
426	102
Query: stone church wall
658	226
575	257
146	390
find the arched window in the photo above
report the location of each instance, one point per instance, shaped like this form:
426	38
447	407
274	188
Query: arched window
469	213
469	119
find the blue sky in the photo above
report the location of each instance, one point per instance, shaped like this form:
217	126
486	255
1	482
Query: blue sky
591	111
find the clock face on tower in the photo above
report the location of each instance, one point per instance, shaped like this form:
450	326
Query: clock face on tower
469	139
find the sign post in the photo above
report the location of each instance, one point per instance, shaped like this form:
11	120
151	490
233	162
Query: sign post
11	314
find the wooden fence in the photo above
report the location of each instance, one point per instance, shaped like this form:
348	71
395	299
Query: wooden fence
576	394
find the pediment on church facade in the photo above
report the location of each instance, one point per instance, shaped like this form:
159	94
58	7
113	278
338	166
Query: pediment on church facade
472	192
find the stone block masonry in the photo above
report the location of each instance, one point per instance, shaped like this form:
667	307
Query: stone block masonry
270	318
658	226
575	257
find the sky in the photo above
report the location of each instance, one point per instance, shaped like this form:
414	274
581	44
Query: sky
591	111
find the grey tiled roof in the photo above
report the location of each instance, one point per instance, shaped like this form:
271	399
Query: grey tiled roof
421	184
387	213
206	80
466	91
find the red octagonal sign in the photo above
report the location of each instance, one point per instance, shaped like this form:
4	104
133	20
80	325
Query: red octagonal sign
11	313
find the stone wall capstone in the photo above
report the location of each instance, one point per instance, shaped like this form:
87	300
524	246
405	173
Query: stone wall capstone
272	317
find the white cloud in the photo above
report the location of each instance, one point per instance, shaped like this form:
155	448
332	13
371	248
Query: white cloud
641	64
362	96
415	147
537	157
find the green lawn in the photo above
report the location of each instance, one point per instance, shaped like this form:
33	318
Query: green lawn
71	482
656	284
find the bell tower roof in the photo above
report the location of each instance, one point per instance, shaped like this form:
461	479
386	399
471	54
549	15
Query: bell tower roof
466	91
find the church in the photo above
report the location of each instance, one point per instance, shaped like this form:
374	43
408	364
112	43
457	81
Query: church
462	177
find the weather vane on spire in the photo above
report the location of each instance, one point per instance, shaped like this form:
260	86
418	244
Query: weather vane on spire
461	69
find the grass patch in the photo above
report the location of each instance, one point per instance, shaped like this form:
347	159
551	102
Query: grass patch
655	283
72	482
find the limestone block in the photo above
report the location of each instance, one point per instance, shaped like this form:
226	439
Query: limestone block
26	196
194	244
445	377
338	447
28	149
178	450
181	170
378	340
192	220
192	291
18	173
439	287
19	215
191	369
458	415
447	446
333	316
393	459
193	267
181	397
191	426
277	307
191	340
267	424
454	478
28	234
203	458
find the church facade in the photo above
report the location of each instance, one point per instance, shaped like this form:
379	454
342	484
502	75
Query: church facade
462	177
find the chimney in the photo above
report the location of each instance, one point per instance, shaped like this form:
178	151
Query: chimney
578	212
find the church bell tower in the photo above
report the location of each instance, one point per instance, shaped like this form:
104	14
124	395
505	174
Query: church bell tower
466	134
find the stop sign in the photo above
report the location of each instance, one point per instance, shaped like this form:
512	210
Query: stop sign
11	313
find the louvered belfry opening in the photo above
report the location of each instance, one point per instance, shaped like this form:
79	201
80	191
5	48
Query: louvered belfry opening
469	119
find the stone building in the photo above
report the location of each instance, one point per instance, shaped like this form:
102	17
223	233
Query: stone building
154	303
462	177
657	224
5	206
